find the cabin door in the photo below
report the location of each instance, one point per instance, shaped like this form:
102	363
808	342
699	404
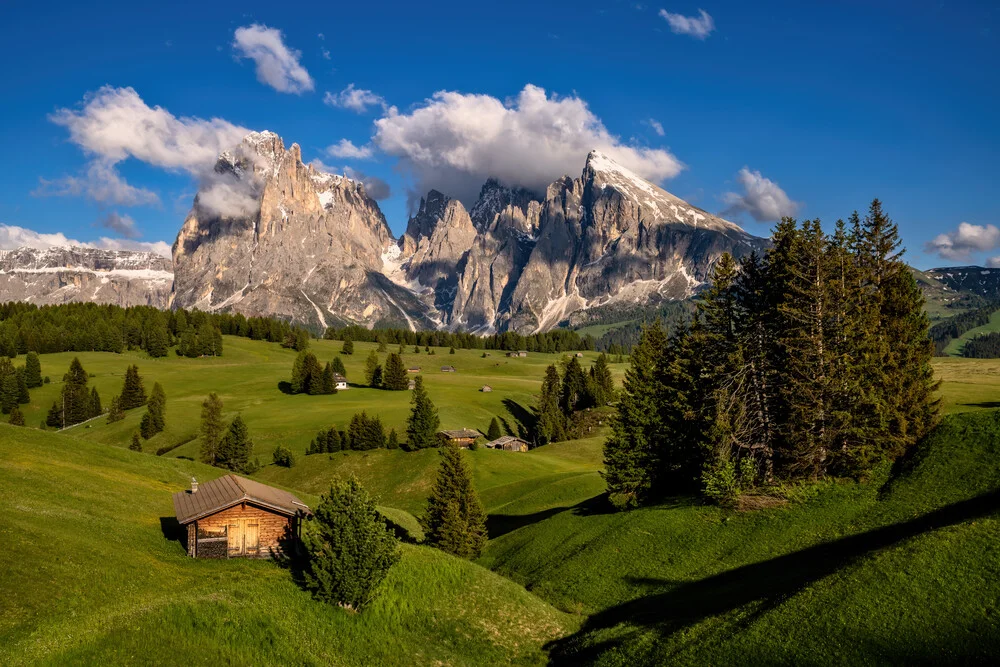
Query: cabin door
244	536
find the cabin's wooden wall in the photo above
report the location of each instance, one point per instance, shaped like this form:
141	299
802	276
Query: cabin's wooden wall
271	527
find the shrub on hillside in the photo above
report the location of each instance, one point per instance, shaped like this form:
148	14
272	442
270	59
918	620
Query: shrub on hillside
349	547
283	456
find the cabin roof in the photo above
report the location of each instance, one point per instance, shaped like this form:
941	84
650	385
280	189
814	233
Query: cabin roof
339	378
504	440
460	433
224	492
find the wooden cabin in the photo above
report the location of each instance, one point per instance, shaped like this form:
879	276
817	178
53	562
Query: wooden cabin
486	389
340	382
447	369
509	443
413	369
463	437
519	353
235	517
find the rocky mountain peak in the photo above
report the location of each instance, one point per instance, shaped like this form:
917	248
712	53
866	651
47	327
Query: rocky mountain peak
495	199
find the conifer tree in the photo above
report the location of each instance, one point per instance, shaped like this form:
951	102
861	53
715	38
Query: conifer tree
392	442
574	395
133	394
212	428
54	418
630	452
23	397
154	420
349	547
136	444
236	447
423	423
382	347
455	521
494	431
329	381
115	412
371	364
348	347
338	366
394	374
16	417
551	425
603	382
8	391
96	408
32	370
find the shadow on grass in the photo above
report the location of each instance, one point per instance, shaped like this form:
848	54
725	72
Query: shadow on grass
285	387
984	404
173	530
501	524
763	585
524	418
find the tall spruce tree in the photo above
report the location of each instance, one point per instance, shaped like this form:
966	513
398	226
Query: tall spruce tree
16	417
212	428
371	365
455	521
602	382
236	448
551	422
115	412
32	370
133	394
423	423
394	373
154	420
494	431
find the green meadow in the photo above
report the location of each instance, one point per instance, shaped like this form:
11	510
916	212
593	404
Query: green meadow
900	568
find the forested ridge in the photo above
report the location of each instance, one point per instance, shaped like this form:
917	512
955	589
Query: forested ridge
813	360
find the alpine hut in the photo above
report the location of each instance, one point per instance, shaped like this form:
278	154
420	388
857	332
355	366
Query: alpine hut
463	437
509	443
236	517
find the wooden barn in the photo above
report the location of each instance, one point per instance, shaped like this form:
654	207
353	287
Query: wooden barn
447	369
463	437
509	443
486	389
235	517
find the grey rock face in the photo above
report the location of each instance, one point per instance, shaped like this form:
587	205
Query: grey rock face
311	249
67	274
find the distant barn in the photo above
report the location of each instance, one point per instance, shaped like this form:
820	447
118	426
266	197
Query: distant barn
235	517
486	389
340	382
413	369
519	353
447	369
463	437
509	443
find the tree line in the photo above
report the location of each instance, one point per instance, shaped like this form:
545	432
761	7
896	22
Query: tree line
810	361
90	327
557	340
943	332
985	346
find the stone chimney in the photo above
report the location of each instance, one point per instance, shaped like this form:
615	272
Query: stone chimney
194	485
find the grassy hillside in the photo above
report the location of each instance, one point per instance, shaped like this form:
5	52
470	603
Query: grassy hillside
954	348
89	577
897	570
247	378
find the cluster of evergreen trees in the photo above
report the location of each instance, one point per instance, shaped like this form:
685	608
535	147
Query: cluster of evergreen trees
309	377
946	330
89	327
392	376
76	403
154	420
225	446
563	396
986	346
14	384
557	340
811	361
364	432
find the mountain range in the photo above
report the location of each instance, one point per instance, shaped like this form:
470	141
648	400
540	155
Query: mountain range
270	235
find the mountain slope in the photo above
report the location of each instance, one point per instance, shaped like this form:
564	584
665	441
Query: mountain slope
64	274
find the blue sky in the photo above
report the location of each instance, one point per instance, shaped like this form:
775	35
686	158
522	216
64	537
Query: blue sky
752	109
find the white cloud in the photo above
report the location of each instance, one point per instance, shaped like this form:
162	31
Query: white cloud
455	141
227	196
123	224
13	237
699	27
356	99
115	124
656	125
102	183
346	149
761	198
960	243
326	54
277	65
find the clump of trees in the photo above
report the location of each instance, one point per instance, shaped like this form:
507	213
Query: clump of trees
557	340
564	396
282	456
985	346
76	404
13	386
813	360
366	432
309	377
133	394
154	420
455	521
349	547
327	441
225	446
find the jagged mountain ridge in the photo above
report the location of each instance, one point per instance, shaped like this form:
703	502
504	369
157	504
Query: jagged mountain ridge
315	248
65	274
